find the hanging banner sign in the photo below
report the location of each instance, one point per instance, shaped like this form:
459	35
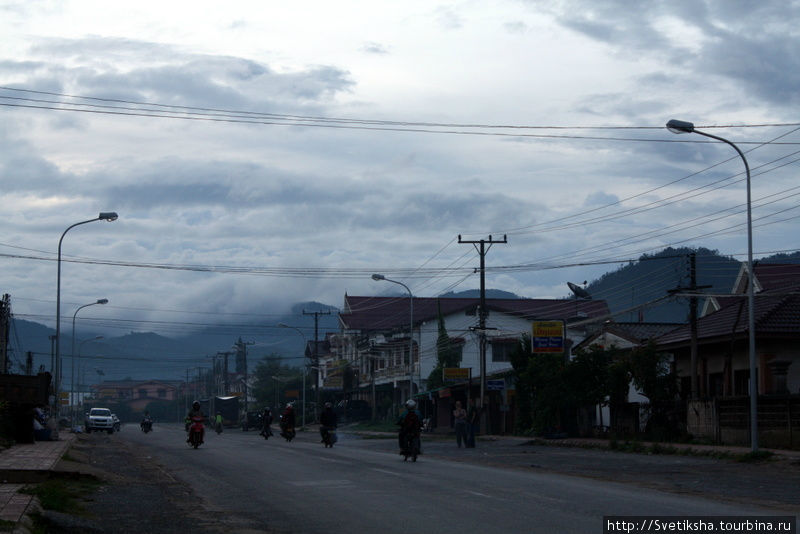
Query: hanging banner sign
547	337
456	374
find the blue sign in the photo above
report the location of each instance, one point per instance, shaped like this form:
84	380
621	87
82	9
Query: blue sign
495	385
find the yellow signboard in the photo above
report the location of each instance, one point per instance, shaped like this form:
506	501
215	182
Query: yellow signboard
64	395
547	337
456	374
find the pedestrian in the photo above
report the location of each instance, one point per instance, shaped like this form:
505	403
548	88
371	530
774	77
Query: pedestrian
460	417
473	420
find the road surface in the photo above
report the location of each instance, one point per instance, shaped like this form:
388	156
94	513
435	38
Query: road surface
361	486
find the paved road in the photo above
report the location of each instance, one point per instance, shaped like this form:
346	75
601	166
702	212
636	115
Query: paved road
362	486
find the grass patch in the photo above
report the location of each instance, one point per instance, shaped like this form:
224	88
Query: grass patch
69	458
757	456
63	495
7	526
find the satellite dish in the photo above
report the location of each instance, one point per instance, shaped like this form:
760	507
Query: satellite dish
580	292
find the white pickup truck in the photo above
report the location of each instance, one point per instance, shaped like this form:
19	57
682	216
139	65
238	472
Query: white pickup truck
99	419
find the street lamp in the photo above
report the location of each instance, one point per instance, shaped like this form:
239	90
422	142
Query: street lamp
377	278
104	216
305	344
72	353
676	126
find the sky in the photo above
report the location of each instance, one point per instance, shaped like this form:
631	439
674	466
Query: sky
261	154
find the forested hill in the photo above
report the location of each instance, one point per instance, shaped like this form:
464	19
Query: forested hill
652	277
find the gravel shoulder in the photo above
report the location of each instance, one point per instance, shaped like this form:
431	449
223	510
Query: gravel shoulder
135	494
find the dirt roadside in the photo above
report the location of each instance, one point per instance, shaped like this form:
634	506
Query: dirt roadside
135	495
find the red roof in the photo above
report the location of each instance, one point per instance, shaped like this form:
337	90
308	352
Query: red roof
383	313
776	315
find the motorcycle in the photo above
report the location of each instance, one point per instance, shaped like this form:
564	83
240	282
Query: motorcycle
196	432
267	432
328	436
218	428
287	432
146	425
410	448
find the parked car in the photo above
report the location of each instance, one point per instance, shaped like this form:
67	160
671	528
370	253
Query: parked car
99	419
353	410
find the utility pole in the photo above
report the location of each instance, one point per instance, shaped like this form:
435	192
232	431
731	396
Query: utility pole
5	320
241	364
316	315
225	371
482	249
693	287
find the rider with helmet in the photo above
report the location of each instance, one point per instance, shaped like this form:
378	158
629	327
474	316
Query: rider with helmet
193	414
410	422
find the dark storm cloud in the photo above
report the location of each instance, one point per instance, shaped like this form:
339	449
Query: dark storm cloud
734	43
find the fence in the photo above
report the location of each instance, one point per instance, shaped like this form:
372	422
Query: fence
727	420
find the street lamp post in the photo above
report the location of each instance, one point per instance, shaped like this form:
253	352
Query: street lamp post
676	126
305	344
72	353
379	277
104	216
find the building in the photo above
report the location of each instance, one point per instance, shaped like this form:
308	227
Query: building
722	332
134	396
393	353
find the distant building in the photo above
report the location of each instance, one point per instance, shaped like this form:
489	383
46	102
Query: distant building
137	394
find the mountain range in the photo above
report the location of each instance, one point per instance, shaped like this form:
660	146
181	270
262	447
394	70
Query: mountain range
630	291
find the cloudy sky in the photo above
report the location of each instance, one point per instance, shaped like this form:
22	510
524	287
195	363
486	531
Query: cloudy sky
261	154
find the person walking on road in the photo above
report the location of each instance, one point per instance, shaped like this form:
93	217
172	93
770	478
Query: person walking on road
473	420
460	417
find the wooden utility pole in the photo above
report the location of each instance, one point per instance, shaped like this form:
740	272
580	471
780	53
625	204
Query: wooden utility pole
316	315
693	289
482	249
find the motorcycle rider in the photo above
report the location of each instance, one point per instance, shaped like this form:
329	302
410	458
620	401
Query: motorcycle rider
195	412
146	421
287	419
266	421
410	422
218	422
327	420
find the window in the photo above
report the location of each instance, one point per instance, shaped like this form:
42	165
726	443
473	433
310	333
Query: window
501	350
162	393
142	393
741	382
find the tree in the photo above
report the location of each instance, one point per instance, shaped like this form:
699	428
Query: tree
542	391
266	389
448	354
653	375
